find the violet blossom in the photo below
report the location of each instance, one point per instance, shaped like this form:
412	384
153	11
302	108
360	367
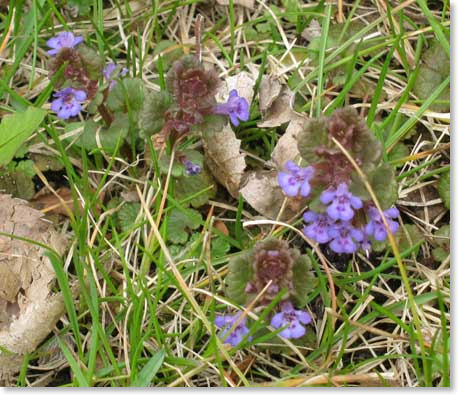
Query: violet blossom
225	322
342	202
376	227
318	226
346	238
191	169
293	319
236	107
296	179
110	74
68	102
63	40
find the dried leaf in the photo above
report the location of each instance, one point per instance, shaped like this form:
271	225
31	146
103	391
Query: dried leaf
261	191
50	203
312	31
224	159
269	90
286	148
280	112
32	309
244	84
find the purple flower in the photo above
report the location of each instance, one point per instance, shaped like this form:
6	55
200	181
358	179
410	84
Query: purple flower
110	75
191	169
296	179
236	107
342	202
63	40
376	226
318	228
293	319
225	322
346	238
68	102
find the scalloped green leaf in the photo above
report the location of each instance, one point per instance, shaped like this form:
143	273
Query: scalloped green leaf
444	188
17	180
200	187
303	280
240	271
127	215
152	113
442	238
180	222
127	93
93	63
314	133
384	184
434	69
108	138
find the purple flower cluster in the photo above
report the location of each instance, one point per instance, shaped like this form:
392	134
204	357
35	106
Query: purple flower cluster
225	322
111	72
291	320
63	40
335	225
296	180
67	102
236	108
191	169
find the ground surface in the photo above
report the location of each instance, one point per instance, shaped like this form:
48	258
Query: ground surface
144	292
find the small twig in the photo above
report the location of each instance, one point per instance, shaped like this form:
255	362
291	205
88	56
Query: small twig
198	33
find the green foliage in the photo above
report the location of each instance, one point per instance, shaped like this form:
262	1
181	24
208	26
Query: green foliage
407	236
107	137
81	7
399	151
444	188
442	238
178	169
152	114
147	374
180	222
240	271
16	179
127	94
384	184
434	69
127	215
93	63
201	186
314	134
169	52
46	162
303	280
15	129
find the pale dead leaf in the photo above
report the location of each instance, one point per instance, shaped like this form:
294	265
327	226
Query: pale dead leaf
244	3
224	159
30	309
312	31
269	90
286	148
280	112
244	84
261	191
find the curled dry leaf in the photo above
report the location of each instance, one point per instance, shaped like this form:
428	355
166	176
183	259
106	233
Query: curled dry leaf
269	90
286	148
224	159
280	111
28	308
244	84
261	191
